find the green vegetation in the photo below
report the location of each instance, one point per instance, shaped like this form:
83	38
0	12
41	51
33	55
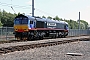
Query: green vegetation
1	24
7	19
75	24
72	23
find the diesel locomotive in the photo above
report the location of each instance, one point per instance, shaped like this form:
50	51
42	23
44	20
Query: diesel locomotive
28	27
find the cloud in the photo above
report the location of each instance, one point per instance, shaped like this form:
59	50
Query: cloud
29	2
84	14
72	0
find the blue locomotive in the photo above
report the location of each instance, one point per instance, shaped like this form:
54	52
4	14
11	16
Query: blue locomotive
27	27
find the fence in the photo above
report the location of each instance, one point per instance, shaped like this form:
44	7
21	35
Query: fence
77	32
6	33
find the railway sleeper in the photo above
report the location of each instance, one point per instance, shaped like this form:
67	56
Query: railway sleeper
5	50
32	46
44	45
1	52
26	47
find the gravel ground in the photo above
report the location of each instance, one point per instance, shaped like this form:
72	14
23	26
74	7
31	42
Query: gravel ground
52	52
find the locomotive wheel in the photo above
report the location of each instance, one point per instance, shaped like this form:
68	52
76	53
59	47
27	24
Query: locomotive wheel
30	38
53	37
41	37
63	36
21	38
57	35
17	38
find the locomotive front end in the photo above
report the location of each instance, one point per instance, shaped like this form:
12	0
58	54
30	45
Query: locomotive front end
21	26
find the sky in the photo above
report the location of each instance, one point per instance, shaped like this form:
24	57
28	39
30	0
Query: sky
65	9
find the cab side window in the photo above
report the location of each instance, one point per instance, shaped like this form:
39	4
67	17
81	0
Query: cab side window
31	22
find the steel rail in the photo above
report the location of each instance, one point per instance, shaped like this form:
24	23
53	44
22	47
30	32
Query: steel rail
9	49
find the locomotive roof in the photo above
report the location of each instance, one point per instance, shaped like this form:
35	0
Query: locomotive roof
20	16
41	19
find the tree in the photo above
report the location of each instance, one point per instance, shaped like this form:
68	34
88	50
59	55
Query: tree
84	23
57	18
43	17
49	17
0	18
7	19
72	24
1	24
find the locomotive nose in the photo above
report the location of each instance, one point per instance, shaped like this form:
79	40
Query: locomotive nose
21	28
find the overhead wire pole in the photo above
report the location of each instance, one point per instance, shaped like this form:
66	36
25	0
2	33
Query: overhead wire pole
79	24
33	8
79	21
12	7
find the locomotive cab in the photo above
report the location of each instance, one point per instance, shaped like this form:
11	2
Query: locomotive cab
21	26
21	23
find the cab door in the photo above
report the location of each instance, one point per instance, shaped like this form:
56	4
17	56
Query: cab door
31	24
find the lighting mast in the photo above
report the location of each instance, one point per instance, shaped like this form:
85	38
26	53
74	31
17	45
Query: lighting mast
33	8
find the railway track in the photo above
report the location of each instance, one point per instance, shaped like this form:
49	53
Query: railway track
31	46
13	41
9	49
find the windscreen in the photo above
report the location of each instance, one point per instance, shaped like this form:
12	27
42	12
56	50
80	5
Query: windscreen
21	20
